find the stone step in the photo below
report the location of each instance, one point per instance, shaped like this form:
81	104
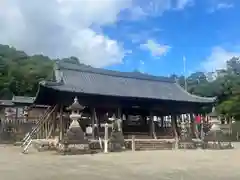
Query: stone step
153	145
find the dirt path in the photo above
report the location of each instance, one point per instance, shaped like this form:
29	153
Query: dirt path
162	165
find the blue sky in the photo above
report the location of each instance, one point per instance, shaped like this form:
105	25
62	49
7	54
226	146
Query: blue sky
151	36
193	32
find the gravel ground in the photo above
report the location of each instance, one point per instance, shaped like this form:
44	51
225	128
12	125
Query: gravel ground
162	165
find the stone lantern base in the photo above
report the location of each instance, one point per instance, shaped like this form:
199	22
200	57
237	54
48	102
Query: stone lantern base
75	142
216	139
116	139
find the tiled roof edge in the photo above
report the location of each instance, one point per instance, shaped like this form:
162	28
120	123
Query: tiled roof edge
209	99
133	75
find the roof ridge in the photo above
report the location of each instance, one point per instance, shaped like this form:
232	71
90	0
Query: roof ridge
134	75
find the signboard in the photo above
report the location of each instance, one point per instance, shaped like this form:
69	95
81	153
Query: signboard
134	120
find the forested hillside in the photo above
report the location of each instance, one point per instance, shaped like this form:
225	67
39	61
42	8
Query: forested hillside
20	74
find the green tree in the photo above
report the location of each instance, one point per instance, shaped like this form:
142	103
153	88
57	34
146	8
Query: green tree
20	73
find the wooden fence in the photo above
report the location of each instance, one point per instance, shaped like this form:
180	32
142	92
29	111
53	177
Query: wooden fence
14	130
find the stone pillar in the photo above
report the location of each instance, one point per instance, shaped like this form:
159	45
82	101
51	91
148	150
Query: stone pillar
106	138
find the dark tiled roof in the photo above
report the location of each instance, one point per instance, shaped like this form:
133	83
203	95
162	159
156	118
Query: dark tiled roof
86	79
6	103
23	99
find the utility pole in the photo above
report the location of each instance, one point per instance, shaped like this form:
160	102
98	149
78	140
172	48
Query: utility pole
184	71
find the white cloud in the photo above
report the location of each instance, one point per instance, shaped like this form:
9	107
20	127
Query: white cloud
181	4
151	8
155	48
224	6
220	6
217	59
62	28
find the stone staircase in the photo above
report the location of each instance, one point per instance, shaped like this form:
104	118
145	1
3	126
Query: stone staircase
143	141
154	145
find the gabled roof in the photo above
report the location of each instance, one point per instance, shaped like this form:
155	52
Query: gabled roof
85	79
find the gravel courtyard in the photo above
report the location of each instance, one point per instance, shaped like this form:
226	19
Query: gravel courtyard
150	165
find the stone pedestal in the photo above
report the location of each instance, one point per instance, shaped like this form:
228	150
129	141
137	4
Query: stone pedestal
215	138
185	141
116	139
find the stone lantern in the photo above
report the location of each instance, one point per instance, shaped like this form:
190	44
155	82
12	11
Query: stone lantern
215	138
75	115
75	139
214	121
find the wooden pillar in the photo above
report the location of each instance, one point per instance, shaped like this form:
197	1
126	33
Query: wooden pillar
174	125
119	113
93	120
61	123
162	121
96	123
152	126
119	116
46	127
174	128
54	123
16	115
38	132
193	126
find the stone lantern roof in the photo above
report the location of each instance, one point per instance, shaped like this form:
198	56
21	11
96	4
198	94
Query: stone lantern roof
76	106
213	114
